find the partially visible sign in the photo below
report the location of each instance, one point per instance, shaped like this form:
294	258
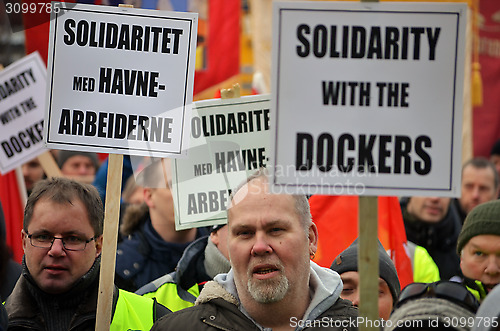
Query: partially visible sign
22	102
230	140
120	80
368	98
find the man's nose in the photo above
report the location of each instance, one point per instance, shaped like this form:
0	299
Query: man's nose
261	245
493	266
57	248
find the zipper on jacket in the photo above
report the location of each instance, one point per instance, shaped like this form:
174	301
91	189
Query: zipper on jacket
214	325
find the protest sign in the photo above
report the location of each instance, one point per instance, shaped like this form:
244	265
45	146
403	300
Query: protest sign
22	102
229	141
120	80
367	98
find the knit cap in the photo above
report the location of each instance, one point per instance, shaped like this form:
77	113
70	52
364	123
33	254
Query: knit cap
483	219
63	156
348	261
431	313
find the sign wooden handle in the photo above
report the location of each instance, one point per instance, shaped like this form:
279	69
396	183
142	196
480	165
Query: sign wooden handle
110	236
49	165
368	264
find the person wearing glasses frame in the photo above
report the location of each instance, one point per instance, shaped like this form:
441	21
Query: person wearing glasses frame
442	305
62	242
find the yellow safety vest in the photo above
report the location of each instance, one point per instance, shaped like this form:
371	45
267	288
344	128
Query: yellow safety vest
425	269
480	294
167	295
132	312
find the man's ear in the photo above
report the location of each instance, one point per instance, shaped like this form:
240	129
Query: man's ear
24	238
148	197
313	238
98	245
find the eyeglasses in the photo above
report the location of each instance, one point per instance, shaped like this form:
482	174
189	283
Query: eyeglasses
444	289
70	243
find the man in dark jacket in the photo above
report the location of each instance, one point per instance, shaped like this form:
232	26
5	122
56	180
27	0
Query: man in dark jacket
59	286
272	283
434	224
151	245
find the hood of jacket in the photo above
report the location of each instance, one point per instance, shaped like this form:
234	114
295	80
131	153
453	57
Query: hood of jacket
325	287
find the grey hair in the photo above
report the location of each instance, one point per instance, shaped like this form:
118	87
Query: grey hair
302	207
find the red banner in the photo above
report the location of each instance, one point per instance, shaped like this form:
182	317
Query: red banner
337	220
13	210
486	118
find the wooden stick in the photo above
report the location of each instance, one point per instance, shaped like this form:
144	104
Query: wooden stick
368	265
21	184
49	165
110	237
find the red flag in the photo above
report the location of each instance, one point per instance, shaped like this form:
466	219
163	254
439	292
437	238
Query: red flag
218	44
13	210
337	220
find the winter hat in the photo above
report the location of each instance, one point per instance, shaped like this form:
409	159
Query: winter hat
483	219
495	149
348	261
431	313
63	156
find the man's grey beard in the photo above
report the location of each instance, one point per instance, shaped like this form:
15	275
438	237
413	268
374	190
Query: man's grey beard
268	291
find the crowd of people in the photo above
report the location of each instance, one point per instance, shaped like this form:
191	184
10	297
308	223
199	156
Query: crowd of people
255	272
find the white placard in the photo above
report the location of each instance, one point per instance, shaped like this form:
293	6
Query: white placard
120	80
368	98
230	140
22	110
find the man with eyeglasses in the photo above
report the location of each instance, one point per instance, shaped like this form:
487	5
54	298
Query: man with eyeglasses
62	241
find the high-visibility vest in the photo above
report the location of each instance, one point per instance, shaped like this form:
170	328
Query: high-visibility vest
479	292
425	269
167	294
132	312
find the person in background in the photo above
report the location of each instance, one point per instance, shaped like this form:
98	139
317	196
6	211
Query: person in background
81	166
59	286
101	176
434	224
346	265
272	284
10	270
151	245
479	248
442	305
202	260
479	184
132	194
32	173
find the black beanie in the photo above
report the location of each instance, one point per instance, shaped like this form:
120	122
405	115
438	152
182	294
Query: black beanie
348	261
483	219
63	156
